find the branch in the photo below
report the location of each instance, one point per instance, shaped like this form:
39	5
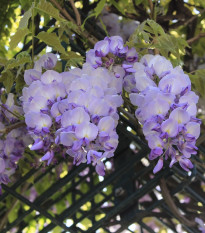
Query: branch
11	127
14	114
63	10
193	18
194	39
84	34
169	201
77	15
151	6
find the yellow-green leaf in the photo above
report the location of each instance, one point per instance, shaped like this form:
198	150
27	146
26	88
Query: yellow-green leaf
49	9
52	40
21	59
7	78
72	58
18	36
168	43
24	20
99	7
116	5
3	61
198	81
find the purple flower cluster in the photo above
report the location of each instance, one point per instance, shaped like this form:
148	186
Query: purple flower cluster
73	112
13	144
112	51
115	26
201	225
166	109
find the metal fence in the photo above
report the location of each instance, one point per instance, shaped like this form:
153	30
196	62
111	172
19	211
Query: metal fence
127	198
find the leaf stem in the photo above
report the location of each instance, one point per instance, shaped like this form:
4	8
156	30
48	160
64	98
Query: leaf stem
33	31
77	15
11	127
195	38
151	9
16	115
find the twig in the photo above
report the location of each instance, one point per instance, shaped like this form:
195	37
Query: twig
63	10
192	40
199	7
193	18
77	15
11	127
169	201
33	31
151	9
85	34
5	108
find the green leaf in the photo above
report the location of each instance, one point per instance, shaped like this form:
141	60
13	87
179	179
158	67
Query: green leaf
57	229
3	61
21	59
116	5
200	2
67	27
154	28
19	83
18	36
49	9
171	44
52	40
26	4
72	58
139	37
7	78
144	33
27	15
89	16
98	9
198	81
103	26
14	213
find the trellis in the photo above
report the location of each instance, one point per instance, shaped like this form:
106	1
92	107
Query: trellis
115	201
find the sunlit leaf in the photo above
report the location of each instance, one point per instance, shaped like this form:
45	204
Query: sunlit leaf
99	7
24	20
52	40
21	59
72	59
198	81
18	36
47	8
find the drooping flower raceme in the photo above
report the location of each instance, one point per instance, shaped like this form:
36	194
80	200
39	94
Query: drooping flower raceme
166	109
13	144
73	112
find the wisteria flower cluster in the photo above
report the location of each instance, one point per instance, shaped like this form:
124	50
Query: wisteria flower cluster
116	26
73	112
13	144
166	109
112	51
201	224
